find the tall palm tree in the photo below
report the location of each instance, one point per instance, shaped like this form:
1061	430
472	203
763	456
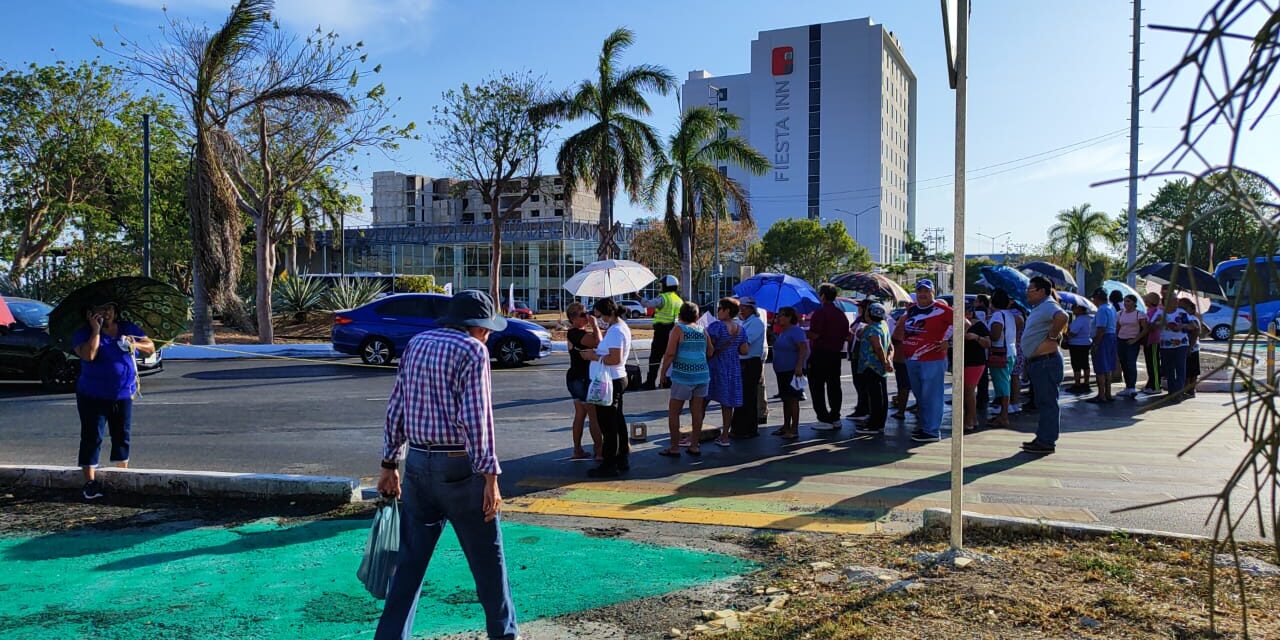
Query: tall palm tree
616	146
1078	232
689	170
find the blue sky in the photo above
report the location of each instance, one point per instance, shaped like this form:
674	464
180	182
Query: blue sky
1043	75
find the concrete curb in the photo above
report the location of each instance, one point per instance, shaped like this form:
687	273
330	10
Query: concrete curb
235	351
198	484
941	518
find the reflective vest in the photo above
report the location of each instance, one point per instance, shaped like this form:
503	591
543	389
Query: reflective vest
670	309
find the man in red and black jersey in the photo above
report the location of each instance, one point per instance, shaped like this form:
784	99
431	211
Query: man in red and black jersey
923	332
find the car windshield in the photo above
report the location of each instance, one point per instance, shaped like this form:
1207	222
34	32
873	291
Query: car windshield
31	313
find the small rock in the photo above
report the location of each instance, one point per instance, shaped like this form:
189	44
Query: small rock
848	543
912	607
961	562
771	610
1089	623
774	590
1250	565
702	627
1187	581
725	613
861	575
759	591
675	633
827	578
708	614
821	566
756	609
716	624
732	624
904	585
778	602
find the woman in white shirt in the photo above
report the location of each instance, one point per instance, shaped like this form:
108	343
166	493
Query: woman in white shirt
611	358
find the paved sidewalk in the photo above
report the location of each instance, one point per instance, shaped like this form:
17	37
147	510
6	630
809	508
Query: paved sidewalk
1107	459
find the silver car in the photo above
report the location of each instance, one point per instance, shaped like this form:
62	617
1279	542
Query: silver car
1222	322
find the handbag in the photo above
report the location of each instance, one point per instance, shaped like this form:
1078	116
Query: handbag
998	357
601	390
634	378
799	383
379	563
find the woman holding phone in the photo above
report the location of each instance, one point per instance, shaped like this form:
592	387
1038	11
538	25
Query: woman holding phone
106	388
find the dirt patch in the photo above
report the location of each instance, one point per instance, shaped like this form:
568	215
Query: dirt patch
1111	587
315	328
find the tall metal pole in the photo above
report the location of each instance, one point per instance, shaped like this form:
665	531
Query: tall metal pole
146	195
342	242
718	275
957	240
1132	277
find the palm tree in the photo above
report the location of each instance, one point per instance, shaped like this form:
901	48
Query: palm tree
1078	232
690	169
616	146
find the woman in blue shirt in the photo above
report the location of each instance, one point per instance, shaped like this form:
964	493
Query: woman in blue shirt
106	388
790	353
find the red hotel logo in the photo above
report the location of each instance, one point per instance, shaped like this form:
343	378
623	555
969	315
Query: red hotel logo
783	60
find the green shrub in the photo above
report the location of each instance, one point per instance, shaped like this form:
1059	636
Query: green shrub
350	293
418	284
298	296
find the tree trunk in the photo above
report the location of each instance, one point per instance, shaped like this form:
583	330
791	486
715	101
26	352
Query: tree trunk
291	259
1080	277
495	259
18	267
265	261
605	250
201	312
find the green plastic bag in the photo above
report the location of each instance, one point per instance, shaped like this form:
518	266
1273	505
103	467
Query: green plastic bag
379	564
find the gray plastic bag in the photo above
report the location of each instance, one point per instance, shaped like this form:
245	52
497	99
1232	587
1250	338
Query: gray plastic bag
379	563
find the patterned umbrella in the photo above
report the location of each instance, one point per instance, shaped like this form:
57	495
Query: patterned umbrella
774	291
874	285
158	308
1008	280
1060	277
1124	289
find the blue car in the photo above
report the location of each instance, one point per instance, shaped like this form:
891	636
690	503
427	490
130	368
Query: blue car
378	332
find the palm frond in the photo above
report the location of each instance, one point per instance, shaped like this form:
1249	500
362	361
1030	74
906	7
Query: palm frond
647	77
241	30
309	96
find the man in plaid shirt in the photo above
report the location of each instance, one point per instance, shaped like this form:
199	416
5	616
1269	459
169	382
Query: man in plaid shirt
441	407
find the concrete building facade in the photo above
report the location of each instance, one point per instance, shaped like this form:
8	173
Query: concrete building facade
833	107
408	199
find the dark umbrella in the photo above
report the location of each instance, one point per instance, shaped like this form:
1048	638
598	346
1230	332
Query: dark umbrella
774	291
1008	280
1060	277
874	285
160	310
1185	277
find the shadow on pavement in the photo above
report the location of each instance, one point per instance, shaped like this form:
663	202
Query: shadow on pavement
292	371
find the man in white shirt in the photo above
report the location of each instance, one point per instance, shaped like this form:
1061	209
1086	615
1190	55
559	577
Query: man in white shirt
746	422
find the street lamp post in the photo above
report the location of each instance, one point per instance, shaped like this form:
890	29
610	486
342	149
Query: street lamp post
717	274
856	218
994	238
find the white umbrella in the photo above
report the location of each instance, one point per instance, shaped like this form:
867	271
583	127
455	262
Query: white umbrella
608	278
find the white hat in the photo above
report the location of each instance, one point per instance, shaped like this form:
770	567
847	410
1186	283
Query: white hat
670	281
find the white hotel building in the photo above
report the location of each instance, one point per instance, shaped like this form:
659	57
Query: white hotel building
833	106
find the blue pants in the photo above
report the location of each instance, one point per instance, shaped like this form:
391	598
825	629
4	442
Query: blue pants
1046	375
927	386
440	487
1174	362
97	414
1129	362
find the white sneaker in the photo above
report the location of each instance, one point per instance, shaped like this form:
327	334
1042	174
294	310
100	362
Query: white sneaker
1128	393
1150	392
826	426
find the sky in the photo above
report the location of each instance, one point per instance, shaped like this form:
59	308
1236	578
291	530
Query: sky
1048	109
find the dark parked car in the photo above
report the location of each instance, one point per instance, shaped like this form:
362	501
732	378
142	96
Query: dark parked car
379	331
27	351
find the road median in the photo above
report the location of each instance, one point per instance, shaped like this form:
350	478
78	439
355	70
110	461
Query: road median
197	484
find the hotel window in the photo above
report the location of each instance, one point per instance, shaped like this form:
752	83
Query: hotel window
560	212
535	213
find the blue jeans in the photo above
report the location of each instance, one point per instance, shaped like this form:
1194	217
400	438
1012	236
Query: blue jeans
1046	375
440	487
1129	362
1174	362
927	386
97	413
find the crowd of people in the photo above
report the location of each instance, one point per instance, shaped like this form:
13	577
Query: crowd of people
1006	346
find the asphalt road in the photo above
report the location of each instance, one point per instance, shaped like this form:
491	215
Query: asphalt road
327	419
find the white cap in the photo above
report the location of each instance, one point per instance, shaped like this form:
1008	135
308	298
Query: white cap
670	281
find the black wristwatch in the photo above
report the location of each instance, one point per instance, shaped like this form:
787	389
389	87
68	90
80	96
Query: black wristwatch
391	464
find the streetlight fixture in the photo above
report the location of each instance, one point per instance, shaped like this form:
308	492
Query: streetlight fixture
994	238
856	217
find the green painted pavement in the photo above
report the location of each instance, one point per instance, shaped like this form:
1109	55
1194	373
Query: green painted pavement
265	580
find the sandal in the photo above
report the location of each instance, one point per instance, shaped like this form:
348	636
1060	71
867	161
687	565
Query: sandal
684	442
693	452
724	442
669	453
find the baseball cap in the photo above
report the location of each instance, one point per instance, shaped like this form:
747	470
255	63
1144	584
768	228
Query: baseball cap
924	283
877	311
473	308
747	301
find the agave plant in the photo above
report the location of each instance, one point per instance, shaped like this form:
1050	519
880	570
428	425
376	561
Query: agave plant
350	293
299	296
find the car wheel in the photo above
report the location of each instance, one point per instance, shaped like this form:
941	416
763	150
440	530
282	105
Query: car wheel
376	351
1222	333
58	372
510	353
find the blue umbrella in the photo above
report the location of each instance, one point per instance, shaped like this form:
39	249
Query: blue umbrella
1008	280
774	291
1072	299
1124	289
1060	277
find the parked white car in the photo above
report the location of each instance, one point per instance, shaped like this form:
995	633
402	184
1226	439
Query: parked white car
633	308
1218	321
